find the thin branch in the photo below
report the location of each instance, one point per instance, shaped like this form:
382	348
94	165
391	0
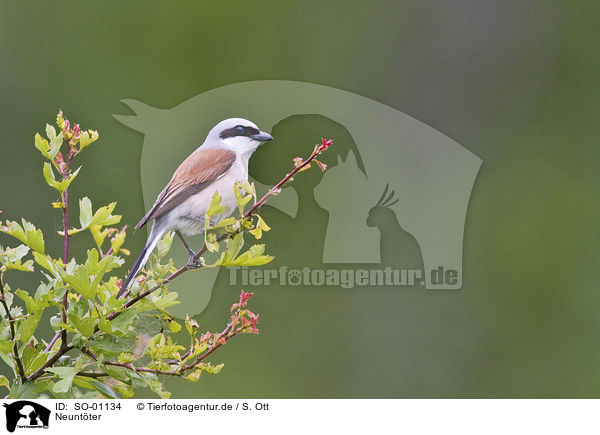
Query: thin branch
49	363
93	374
65	208
62	334
213	348
284	180
16	356
53	341
145	293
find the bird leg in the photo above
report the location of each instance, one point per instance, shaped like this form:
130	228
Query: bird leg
192	262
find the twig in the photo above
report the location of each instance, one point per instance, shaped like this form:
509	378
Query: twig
213	348
65	209
285	179
39	372
16	356
65	201
93	374
62	334
53	341
145	293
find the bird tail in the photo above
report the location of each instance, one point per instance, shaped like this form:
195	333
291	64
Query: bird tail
155	235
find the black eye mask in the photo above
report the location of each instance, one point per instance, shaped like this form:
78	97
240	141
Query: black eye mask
245	131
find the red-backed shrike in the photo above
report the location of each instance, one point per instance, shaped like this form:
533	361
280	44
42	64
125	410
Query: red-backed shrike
213	167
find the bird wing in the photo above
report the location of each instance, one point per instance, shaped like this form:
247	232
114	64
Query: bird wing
196	172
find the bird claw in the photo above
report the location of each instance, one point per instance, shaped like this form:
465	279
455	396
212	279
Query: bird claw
194	264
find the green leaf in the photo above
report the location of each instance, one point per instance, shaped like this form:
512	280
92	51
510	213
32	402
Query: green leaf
10	258
85	326
86	278
87	219
224	223
19	390
26	233
86	138
66	374
126	357
36	362
111	344
47	263
147	324
164	245
126	390
85	212
210	241
92	384
191	325
62	185
23	267
30	303
242	199
260	226
4	382
166	300
55	322
124	321
234	246
42	145
117	241
13	254
106	264
250	188
209	368
213	209
174	327
252	257
104	217
257	261
27	326
46	291
120	373
64	385
105	326
6	353
5	346
50	132
155	385
80	282
99	235
161	346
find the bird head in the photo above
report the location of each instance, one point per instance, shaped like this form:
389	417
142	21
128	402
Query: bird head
238	135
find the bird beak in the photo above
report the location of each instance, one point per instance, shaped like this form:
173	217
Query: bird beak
262	136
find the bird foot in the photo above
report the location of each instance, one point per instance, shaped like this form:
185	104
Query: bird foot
194	264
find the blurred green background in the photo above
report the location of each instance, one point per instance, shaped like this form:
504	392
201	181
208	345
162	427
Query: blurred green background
515	82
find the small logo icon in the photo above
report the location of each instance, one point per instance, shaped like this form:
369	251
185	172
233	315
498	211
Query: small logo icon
26	414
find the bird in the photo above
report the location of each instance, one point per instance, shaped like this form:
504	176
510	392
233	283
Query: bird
214	166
